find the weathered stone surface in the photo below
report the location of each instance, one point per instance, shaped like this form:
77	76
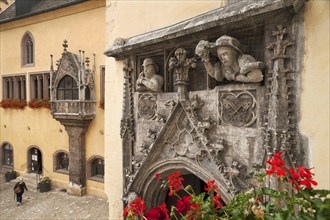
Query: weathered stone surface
214	129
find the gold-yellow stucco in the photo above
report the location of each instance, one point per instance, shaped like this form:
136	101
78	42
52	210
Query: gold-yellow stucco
83	25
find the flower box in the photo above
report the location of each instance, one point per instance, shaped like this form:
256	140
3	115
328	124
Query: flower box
13	103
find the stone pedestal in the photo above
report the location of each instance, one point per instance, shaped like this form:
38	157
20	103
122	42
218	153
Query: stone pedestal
77	190
182	89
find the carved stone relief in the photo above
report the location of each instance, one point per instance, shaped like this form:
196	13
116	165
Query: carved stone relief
147	106
237	108
223	130
148	79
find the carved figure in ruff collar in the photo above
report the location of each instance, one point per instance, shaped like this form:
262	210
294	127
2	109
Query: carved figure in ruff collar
148	79
233	65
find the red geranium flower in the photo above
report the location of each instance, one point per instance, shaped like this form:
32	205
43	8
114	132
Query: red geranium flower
174	182
158	176
294	178
276	165
158	213
308	183
182	205
305	172
137	206
125	212
193	211
216	200
211	186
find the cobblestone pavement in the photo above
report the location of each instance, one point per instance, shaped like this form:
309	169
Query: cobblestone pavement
54	204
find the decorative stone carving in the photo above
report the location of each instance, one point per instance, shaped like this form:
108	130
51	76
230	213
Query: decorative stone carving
237	108
148	79
281	122
152	134
147	106
127	122
232	173
118	42
180	65
170	104
234	65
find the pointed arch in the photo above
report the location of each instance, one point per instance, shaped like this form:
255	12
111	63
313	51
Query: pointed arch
67	89
27	49
150	188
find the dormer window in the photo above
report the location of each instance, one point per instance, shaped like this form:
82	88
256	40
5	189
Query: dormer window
27	47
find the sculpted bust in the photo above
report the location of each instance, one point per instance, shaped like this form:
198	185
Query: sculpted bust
148	79
233	65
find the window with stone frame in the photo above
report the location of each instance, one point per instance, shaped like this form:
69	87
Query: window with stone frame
7	152
61	160
67	89
27	48
96	169
102	86
39	86
14	87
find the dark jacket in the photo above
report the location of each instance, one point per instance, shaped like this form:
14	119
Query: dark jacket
22	186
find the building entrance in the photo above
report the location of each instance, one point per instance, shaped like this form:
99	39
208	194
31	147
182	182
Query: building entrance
189	179
35	159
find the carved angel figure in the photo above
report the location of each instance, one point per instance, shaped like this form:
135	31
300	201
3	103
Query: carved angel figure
148	79
233	65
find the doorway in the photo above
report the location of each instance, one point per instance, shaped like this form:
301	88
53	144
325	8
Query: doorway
35	161
189	179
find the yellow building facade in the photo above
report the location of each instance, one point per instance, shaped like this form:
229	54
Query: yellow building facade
146	17
29	129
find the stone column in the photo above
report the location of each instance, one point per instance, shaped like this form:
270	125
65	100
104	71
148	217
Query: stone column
77	155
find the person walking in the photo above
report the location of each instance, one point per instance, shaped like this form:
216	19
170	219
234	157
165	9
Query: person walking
19	190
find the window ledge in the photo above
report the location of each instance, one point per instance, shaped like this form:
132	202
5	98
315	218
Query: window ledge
62	171
97	179
28	65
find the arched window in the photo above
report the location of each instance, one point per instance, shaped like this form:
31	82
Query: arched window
7	155
61	162
67	89
96	168
27	47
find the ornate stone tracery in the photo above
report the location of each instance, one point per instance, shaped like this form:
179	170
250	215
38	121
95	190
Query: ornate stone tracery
242	113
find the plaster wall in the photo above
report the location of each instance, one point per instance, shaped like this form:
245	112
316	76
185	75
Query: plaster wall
126	19
3	5
315	89
82	33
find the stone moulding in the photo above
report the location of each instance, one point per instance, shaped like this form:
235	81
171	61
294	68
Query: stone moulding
216	18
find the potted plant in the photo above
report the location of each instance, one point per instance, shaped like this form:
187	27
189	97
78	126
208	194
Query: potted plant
10	175
44	184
